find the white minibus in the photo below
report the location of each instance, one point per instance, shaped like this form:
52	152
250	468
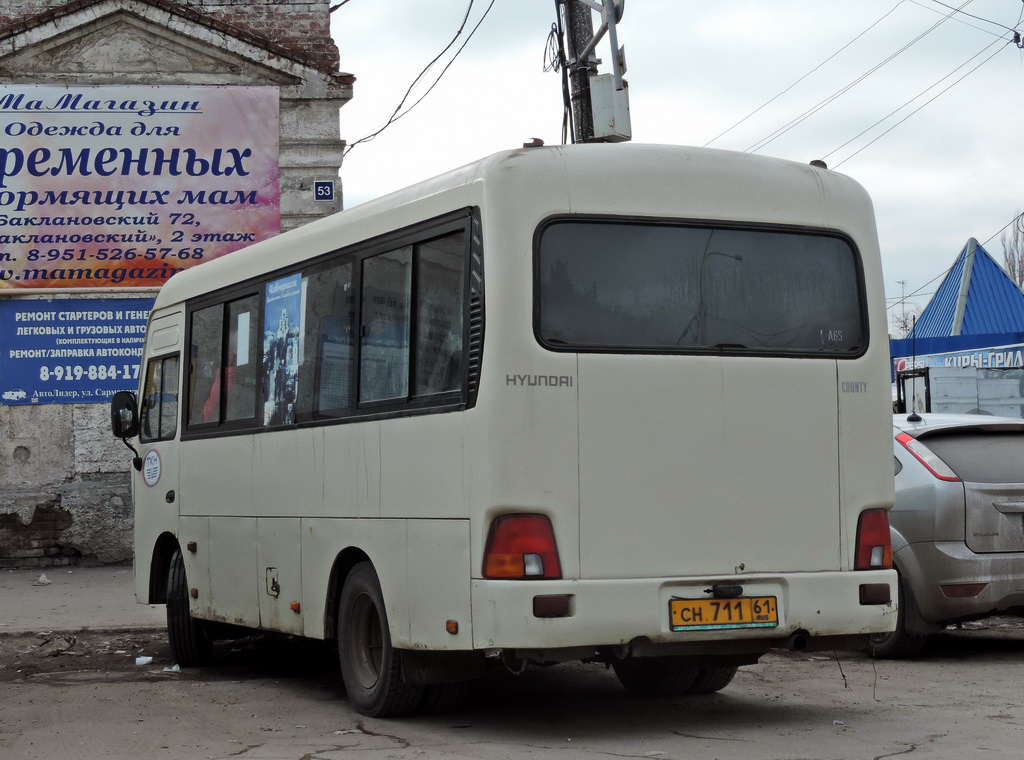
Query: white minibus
625	404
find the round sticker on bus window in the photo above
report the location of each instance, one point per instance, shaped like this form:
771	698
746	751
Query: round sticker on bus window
151	468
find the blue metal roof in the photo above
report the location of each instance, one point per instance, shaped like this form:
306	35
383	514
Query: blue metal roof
977	297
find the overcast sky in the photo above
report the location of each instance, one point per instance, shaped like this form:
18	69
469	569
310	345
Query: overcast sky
696	68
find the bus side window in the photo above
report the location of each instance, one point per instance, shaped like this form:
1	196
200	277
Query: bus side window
384	350
223	368
327	373
413	304
205	365
239	375
440	287
160	400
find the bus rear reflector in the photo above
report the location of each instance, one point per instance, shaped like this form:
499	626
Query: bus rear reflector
523	547
874	544
875	593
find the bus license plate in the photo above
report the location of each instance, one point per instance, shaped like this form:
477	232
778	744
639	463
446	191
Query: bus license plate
713	614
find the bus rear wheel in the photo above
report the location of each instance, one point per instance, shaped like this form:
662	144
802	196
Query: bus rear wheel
900	644
190	646
656	676
439	698
370	668
712	678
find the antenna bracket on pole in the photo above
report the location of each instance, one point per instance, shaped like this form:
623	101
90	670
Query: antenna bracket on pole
611	13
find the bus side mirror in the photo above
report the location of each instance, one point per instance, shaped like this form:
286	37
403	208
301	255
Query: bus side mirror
124	415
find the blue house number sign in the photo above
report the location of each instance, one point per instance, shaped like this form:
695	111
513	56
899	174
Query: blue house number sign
323	189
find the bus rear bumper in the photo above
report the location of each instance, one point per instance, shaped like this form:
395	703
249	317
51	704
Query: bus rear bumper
632	617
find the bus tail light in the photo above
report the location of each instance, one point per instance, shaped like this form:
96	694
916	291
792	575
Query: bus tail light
927	457
521	546
874	544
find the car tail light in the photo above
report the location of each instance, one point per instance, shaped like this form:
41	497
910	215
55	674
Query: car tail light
874	544
927	457
521	546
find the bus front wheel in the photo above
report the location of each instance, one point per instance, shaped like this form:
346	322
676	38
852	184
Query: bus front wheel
370	668
190	646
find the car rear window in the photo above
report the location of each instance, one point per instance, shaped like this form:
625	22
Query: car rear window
982	457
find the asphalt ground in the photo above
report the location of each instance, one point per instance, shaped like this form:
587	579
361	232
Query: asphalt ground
73	599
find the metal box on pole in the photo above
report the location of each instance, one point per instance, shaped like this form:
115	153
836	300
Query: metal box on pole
610	109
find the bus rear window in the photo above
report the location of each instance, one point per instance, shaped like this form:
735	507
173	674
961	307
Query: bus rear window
660	287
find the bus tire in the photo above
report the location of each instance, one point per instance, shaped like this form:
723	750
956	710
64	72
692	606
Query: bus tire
370	669
656	676
439	698
712	678
900	644
190	646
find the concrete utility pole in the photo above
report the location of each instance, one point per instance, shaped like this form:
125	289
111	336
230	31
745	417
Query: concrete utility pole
599	103
580	30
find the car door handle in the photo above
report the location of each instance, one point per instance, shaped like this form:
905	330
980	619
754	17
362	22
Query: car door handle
1009	507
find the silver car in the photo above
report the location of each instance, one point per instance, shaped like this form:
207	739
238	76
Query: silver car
957	525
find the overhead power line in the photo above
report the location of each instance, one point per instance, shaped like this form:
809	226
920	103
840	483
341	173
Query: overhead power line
764	142
555	60
971	15
947	271
798	81
927	102
398	113
931	9
904	297
917	292
1000	230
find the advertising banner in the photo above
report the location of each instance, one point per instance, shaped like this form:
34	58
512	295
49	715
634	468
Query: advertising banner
996	357
115	187
70	351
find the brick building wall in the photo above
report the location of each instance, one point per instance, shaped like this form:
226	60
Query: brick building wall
14	12
305	26
38	542
296	25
